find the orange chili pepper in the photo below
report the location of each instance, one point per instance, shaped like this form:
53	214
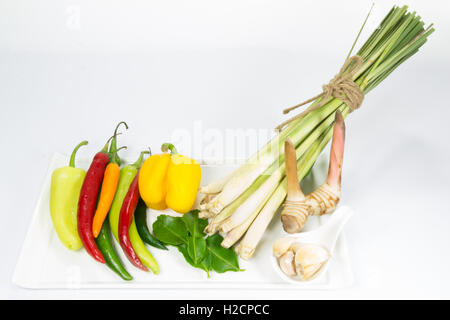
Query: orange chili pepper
109	185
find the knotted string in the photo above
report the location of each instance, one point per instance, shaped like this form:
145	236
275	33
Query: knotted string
341	87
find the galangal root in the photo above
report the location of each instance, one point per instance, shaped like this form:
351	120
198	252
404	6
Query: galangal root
297	206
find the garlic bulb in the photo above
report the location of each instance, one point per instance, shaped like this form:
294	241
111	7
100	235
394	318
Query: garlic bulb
300	260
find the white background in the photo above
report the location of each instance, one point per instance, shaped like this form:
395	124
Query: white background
70	70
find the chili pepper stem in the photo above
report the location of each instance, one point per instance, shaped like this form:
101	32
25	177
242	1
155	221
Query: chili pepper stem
113	148
72	156
105	148
139	161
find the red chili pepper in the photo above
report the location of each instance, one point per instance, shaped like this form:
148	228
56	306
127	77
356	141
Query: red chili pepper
126	217
88	201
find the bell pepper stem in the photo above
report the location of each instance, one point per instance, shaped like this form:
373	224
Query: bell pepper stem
168	146
72	156
139	161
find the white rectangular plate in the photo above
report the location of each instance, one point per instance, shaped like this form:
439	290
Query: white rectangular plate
45	263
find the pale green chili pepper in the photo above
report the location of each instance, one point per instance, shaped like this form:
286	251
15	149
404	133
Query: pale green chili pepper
65	189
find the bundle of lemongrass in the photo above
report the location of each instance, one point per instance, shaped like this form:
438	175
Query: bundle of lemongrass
242	204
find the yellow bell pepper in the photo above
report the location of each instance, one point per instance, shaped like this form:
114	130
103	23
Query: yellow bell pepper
152	180
169	180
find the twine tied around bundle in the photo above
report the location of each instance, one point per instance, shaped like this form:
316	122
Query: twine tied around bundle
341	87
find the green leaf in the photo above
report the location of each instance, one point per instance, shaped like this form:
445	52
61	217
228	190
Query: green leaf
202	265
206	254
221	259
170	230
196	248
194	224
206	262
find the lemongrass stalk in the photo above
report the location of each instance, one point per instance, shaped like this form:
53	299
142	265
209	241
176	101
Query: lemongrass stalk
235	234
247	246
251	171
237	184
204	214
271	147
395	31
399	36
249	205
207	197
217	221
217	186
238	231
245	210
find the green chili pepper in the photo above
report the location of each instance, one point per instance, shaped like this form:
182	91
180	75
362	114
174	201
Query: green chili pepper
127	175
64	194
112	260
140	216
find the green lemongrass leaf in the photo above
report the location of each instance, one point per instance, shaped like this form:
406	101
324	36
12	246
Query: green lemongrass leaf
196	247
360	30
364	49
396	36
170	230
392	62
385	30
411	31
204	265
194	224
380	78
221	259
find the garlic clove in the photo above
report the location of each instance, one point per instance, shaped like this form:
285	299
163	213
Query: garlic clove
282	245
286	263
309	260
311	271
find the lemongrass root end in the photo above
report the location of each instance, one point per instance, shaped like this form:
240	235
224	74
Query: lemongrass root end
244	252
